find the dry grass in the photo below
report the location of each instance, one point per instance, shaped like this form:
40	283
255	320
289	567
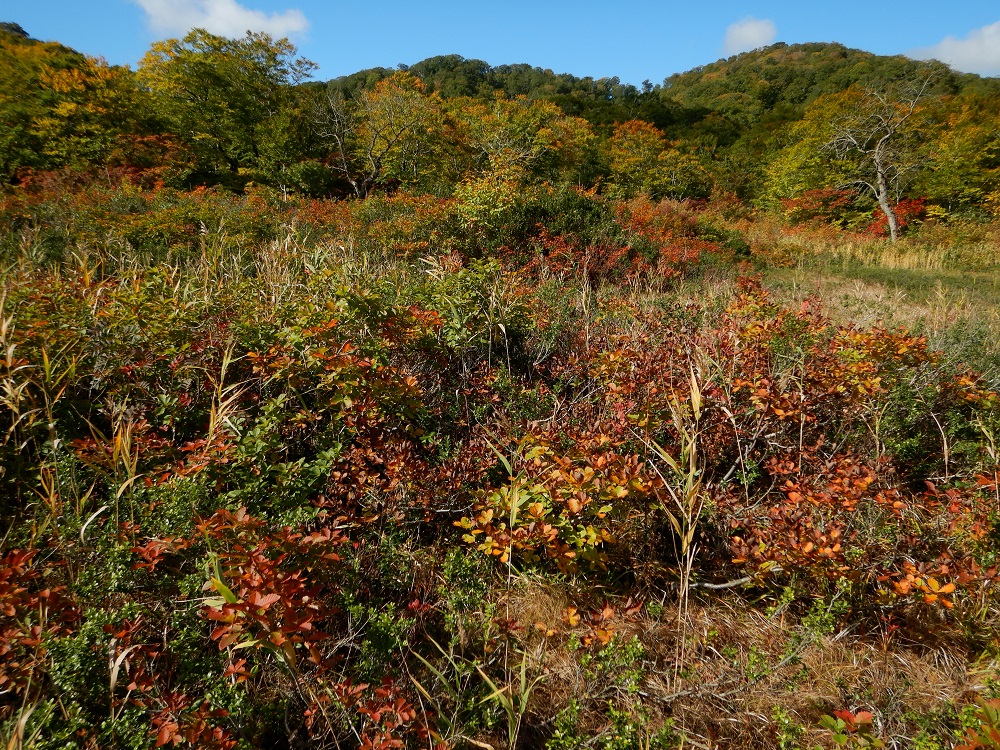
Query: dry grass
745	668
951	294
933	247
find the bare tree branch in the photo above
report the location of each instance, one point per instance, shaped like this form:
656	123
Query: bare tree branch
879	139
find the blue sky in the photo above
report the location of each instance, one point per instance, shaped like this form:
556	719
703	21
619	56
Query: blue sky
632	39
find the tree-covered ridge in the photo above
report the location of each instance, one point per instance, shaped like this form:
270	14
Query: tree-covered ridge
744	87
782	76
602	101
454	75
205	110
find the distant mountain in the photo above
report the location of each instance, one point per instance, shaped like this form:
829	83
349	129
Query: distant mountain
454	75
747	86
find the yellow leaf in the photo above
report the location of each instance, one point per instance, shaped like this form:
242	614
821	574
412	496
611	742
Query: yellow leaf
572	617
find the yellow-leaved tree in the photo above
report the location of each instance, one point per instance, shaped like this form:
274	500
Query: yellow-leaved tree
642	161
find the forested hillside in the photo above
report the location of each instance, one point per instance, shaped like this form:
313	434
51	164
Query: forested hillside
461	406
210	111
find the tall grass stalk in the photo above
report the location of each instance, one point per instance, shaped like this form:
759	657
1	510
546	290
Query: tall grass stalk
684	502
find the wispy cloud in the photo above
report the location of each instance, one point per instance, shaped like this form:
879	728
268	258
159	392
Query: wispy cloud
978	52
748	34
222	17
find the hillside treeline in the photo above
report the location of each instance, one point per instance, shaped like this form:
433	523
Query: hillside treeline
761	126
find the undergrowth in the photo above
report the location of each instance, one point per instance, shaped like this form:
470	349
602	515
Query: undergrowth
307	474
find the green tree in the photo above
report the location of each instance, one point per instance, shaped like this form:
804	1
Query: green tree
223	97
523	137
643	161
392	131
97	109
802	164
964	172
60	108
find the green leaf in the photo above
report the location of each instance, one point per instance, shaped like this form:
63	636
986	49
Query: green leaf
226	592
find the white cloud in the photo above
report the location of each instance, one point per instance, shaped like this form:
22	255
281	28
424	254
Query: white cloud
748	34
222	17
979	52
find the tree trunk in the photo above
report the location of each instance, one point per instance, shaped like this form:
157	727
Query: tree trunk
885	203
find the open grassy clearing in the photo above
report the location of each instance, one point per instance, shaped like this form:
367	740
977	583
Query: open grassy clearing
950	294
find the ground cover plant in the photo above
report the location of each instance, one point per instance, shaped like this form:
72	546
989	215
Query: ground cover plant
327	474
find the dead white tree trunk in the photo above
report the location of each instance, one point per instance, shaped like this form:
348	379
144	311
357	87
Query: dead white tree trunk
877	136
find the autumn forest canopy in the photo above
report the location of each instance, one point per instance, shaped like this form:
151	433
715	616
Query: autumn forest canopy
458	406
206	110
